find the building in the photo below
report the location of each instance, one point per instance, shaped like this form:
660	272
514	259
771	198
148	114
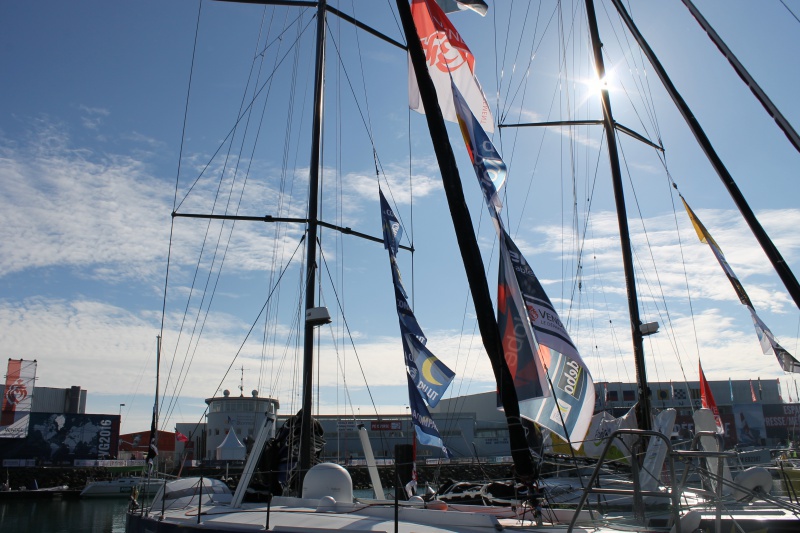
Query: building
134	446
241	414
343	443
686	394
473	425
53	400
58	431
753	412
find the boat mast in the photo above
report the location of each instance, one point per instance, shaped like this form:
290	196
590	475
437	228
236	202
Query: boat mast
758	92
468	245
778	263
643	406
311	244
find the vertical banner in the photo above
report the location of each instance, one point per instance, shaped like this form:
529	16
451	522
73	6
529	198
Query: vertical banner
427	376
448	58
536	344
430	375
750	425
17	395
708	402
769	345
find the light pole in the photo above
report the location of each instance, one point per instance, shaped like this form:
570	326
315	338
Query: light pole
119	444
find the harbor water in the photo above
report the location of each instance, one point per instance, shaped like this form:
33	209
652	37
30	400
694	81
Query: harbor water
97	515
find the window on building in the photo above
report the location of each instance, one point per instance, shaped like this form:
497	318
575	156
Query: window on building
613	396
628	396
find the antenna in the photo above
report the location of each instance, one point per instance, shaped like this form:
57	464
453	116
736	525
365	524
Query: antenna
241	383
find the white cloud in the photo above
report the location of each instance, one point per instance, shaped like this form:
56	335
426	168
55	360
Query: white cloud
60	208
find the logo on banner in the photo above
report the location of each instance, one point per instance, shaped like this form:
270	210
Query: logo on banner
561	411
570	379
16	393
440	54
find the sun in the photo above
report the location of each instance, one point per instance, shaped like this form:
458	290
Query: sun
596	85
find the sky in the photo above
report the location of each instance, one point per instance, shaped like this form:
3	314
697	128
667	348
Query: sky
95	128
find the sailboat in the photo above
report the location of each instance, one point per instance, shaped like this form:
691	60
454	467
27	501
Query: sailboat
326	502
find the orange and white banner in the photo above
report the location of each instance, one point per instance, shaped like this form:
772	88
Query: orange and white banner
17	396
447	55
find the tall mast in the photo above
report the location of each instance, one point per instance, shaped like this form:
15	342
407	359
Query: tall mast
758	92
311	245
468	246
643	411
778	263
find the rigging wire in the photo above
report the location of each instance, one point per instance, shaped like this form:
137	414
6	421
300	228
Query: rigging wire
790	11
177	181
349	332
245	110
231	132
649	103
642	270
219	239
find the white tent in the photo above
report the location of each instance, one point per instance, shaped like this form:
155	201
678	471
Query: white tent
231	448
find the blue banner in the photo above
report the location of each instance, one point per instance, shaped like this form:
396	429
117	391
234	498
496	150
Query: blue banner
430	376
489	167
424	426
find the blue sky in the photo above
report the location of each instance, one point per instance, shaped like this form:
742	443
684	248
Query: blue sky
91	115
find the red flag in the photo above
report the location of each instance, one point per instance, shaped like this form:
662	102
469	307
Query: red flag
752	392
707	400
180	437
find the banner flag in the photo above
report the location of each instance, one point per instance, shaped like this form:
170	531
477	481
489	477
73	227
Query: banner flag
447	56
180	437
770	345
765	337
568	410
478	6
392	231
429	374
602	425
730	386
519	345
17	397
752	392
424	426
707	400
152	449
489	166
